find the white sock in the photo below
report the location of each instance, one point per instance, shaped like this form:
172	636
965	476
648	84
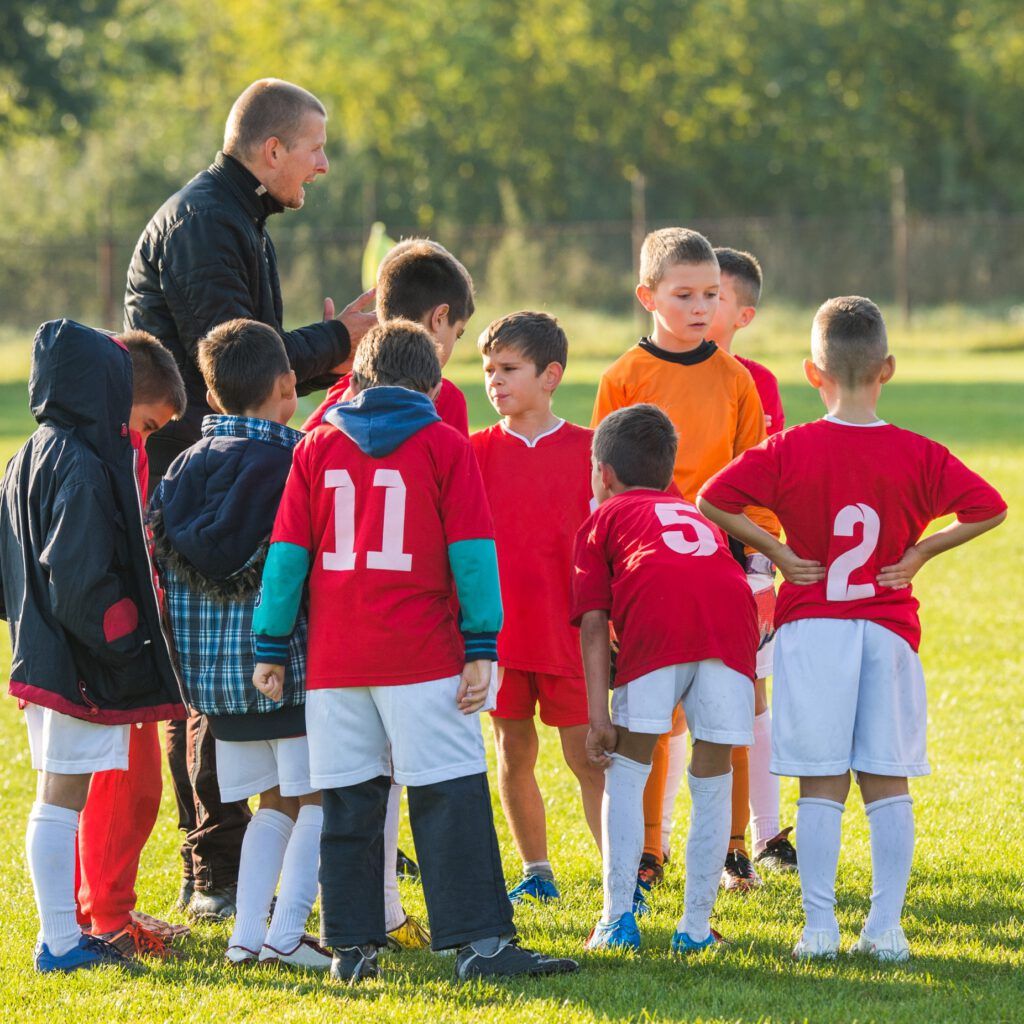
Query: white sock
764	787
50	848
259	867
622	833
891	823
706	847
394	913
819	828
538	867
677	754
298	880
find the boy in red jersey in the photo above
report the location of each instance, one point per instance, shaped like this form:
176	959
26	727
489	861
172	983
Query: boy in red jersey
384	510
686	623
536	470
421	280
854	495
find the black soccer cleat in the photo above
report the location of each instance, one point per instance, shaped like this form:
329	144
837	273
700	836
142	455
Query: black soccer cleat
353	964
778	854
511	961
407	867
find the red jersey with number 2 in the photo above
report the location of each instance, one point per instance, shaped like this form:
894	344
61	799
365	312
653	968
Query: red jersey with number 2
665	575
853	498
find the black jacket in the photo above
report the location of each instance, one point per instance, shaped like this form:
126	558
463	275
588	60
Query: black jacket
204	258
78	587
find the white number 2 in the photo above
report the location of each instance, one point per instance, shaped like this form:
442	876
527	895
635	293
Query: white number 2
703	543
390	555
838	586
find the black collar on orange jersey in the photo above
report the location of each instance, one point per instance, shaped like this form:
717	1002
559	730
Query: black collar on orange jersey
705	350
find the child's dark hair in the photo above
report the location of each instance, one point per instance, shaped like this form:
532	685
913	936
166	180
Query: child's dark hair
670	246
398	353
639	443
155	374
745	271
536	336
241	360
417	276
849	341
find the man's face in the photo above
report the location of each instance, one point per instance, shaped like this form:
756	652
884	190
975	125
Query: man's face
149	417
684	300
298	166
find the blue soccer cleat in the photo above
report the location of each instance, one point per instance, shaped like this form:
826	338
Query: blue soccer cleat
620	934
90	952
641	908
534	889
682	943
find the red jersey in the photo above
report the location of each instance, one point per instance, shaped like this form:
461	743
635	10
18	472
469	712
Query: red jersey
853	498
450	404
540	494
767	385
378	530
669	582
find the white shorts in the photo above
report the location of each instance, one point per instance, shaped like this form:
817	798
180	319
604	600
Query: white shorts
718	702
413	732
65	745
245	768
848	693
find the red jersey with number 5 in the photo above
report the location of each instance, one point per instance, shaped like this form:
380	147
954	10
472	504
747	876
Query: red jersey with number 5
665	575
853	498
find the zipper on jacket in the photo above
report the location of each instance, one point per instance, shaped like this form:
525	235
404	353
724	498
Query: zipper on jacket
89	702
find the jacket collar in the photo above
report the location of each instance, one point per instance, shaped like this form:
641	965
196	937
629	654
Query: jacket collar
220	425
255	198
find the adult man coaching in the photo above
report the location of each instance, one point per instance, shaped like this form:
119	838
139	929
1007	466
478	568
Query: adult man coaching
203	259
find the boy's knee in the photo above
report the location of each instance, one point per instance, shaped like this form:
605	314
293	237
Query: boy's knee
68	791
516	743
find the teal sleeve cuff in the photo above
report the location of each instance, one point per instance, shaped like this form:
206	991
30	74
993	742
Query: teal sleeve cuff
284	576
475	568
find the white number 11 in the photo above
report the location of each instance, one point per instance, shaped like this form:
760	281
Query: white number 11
390	556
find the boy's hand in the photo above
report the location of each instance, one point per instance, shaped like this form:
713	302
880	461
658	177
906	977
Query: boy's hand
475	686
900	574
800	571
269	680
602	739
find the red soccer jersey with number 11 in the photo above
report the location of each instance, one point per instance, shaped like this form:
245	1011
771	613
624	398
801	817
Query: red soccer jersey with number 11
853	498
665	575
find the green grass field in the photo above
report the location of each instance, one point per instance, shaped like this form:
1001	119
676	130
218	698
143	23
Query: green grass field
961	380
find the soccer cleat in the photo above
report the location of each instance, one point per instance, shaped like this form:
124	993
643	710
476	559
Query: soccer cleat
214	905
241	956
407	867
683	944
91	951
651	870
188	886
410	934
778	854
307	954
167	931
816	945
739	875
641	908
136	940
620	934
511	960
354	964
890	946
534	889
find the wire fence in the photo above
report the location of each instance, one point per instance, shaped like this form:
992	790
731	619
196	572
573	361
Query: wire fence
970	259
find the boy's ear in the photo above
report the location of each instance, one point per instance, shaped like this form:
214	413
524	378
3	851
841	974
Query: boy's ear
286	384
747	313
646	297
436	317
888	369
551	376
813	374
211	401
609	478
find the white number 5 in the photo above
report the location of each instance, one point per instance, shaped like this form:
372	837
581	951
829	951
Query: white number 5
703	543
838	586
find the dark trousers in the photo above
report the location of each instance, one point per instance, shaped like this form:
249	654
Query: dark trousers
460	864
213	829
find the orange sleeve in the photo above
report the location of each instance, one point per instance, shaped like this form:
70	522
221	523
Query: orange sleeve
750	431
611	395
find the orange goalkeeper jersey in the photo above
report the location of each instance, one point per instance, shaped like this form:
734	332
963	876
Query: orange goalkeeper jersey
709	397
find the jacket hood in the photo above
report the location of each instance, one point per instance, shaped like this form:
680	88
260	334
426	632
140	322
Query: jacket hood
82	379
380	419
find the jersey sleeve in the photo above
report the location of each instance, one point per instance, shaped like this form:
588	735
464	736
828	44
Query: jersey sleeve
452	408
750	431
752	479
591	573
334	395
611	395
771	400
957	489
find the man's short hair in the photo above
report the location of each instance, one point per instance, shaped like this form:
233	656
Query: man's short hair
639	443
849	341
269	108
536	336
397	353
745	271
419	275
669	246
240	361
155	374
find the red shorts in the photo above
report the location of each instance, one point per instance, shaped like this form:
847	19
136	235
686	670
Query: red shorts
562	699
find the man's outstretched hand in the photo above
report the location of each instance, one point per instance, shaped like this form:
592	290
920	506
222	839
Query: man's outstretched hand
357	317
